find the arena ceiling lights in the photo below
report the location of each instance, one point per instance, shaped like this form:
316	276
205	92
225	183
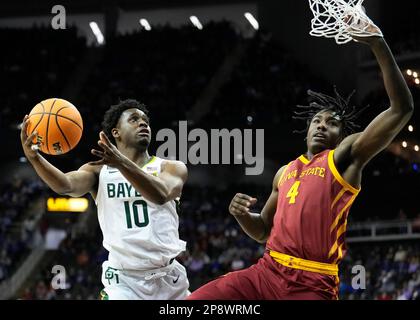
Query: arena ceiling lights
97	32
254	23
194	20
414	75
145	24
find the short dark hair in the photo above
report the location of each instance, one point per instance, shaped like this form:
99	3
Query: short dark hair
341	108
113	114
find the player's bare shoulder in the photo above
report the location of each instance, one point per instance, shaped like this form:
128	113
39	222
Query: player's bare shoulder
95	169
91	173
277	177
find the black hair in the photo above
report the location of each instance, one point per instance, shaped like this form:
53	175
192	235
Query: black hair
340	107
113	114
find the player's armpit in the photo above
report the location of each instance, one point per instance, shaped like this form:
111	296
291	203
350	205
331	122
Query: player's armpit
342	153
270	207
83	180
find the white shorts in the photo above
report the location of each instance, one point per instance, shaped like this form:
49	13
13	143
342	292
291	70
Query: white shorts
167	283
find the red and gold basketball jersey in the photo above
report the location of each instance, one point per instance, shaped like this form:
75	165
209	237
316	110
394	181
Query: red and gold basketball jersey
312	208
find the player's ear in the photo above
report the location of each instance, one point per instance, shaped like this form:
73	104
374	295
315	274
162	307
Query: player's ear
115	133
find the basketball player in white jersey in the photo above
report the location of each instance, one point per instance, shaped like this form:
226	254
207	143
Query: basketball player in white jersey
136	195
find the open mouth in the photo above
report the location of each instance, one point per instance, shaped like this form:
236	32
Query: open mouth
143	132
319	136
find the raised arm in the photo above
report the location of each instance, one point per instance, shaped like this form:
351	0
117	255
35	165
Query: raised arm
75	183
256	225
386	126
161	189
165	187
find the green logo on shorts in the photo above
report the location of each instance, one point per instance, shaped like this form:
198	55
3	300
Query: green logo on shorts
110	274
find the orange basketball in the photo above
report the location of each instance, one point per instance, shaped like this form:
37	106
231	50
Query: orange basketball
59	125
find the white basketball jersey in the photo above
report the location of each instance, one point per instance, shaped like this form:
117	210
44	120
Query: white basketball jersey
139	234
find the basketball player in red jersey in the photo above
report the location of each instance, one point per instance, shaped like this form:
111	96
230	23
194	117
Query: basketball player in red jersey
303	223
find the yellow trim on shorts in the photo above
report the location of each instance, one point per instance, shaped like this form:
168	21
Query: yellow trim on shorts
302	264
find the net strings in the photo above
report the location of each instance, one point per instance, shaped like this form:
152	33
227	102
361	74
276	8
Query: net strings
340	19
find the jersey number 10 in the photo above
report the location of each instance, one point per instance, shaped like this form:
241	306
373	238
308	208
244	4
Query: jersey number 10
135	213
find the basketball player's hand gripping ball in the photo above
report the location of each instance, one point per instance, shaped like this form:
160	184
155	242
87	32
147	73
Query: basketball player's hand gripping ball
54	126
27	140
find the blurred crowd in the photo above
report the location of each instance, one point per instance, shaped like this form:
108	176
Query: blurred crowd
82	258
19	232
392	272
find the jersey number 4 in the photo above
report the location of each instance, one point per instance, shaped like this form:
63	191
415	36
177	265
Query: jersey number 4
135	213
293	192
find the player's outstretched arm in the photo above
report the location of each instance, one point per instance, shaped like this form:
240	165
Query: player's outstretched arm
256	225
165	187
159	189
386	126
75	183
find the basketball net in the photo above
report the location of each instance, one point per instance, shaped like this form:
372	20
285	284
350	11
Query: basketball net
341	20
